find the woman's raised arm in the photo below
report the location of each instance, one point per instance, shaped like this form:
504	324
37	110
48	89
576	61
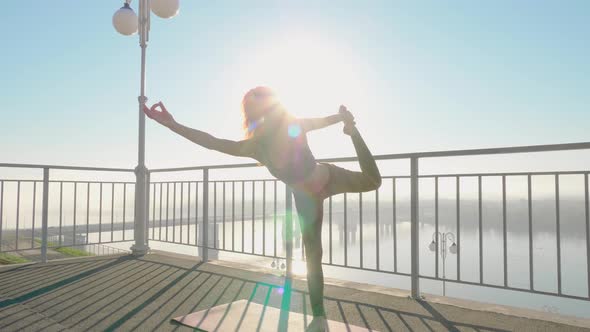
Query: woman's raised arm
310	124
244	148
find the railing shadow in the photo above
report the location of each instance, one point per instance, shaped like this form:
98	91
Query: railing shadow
58	284
135	294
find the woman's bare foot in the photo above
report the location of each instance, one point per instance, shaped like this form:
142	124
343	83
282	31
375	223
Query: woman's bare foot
318	324
348	120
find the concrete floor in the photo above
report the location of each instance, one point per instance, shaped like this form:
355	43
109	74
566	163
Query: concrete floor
124	293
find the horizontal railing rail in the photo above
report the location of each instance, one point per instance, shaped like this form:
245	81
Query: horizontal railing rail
429	154
63	167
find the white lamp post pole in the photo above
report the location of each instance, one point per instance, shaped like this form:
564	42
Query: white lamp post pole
141	246
127	23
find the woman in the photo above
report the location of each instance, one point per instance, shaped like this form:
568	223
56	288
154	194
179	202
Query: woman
278	141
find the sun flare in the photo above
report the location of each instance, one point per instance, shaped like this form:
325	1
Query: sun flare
311	76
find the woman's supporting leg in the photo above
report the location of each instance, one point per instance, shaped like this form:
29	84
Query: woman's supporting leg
310	211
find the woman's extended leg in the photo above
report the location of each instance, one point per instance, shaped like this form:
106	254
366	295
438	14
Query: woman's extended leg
342	180
368	165
310	211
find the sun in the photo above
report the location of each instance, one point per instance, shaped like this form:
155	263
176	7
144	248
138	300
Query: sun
311	76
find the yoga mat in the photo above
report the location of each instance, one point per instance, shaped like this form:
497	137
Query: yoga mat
249	316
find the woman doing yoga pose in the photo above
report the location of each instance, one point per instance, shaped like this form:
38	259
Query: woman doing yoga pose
278	141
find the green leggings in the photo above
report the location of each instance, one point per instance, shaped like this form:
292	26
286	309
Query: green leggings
310	208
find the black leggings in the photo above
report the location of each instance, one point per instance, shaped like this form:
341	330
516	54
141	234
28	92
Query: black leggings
310	208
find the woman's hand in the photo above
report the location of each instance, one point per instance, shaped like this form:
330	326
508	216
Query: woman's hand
162	117
347	117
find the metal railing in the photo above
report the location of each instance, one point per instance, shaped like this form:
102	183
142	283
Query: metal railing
255	217
88	224
245	228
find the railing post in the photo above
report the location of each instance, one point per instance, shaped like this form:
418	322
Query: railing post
204	248
44	215
147	209
414	229
289	230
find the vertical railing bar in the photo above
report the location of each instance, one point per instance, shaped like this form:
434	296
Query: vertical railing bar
275	216
33	216
167	208
253	213
436	236
504	231
414	228
99	215
196	213
480	219
558	233
215	214
587	205
377	228
243	217
160	212
330	226
18	213
74	219
345	231
394	227
134	208
60	214
361	228
289	230
125	208
188	214
264	218
148	206
174	212
1	210
181	207
205	247
44	214
223	215
112	210
458	209
153	212
87	211
530	215
233	215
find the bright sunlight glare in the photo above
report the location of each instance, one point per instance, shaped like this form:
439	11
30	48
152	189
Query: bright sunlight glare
311	76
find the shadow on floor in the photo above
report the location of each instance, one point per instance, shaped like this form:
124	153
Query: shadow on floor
127	294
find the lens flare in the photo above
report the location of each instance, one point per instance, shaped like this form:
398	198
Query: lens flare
294	130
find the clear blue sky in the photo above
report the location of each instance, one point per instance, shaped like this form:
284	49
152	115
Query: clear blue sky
419	75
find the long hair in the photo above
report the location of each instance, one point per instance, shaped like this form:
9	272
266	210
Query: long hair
255	104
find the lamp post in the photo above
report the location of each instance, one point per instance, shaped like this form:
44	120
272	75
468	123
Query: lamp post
127	23
442	249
